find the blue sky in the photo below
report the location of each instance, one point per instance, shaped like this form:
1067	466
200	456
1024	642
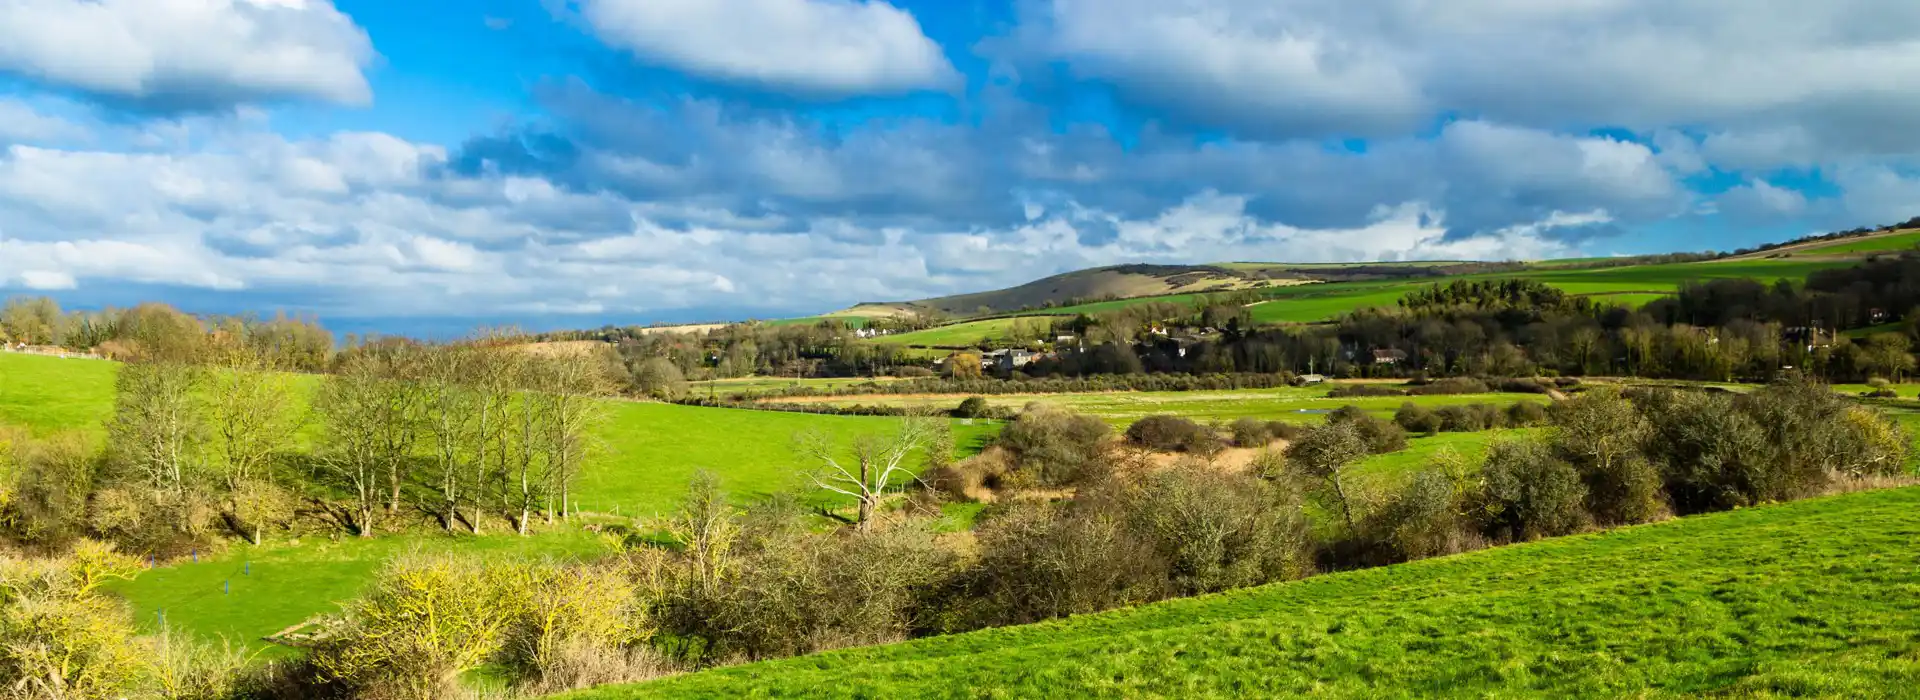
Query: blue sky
556	163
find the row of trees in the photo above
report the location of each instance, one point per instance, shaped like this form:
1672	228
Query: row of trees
467	434
161	332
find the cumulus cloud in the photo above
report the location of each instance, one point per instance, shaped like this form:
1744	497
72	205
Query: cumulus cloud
831	48
371	225
1329	67
188	54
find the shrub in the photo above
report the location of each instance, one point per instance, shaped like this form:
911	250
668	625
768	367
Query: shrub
1452	385
1285	430
1418	521
972	407
422	622
1415	418
60	637
1529	493
1217	531
1526	414
1038	562
1600	435
1363	391
1057	447
1251	433
1459	419
1521	386
1380	435
1173	434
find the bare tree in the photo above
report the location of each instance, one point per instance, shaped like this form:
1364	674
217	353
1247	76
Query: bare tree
157	429
877	462
352	408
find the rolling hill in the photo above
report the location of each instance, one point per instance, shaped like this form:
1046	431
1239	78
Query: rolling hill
1746	603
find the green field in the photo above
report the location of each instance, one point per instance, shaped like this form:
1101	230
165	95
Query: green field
648	453
1814	598
48	394
1636	284
960	335
1875	244
1295	404
250	592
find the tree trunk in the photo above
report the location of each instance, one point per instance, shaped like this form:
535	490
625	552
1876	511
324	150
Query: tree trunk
866	512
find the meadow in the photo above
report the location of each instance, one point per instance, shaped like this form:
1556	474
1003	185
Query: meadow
1122	408
646	455
1745	603
1633	285
969	333
1874	244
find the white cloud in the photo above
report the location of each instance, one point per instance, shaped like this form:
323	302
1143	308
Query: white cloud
1333	67
825	47
21	123
46	280
188	54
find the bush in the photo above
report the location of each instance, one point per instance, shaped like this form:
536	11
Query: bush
972	407
1526	414
1420	520
1452	385
1038	562
1601	434
423	621
1251	433
1521	386
1415	418
1172	434
1363	391
1056	447
1381	435
1217	531
1529	493
1284	430
1459	419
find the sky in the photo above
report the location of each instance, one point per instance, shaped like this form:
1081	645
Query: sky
404	164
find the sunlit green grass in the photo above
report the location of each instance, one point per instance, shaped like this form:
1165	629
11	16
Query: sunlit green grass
647	453
247	592
1817	598
1877	244
966	334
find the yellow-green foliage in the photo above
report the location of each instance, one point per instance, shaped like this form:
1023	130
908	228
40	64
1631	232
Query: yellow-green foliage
423	621
59	638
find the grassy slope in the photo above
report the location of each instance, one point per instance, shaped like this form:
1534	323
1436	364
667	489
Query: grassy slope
1894	242
963	334
1812	598
1319	302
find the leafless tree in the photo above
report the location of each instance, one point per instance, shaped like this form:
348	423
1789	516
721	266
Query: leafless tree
157	428
877	462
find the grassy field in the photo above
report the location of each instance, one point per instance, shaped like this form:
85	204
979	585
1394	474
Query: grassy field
48	394
969	333
248	592
1875	244
1297	404
647	454
1633	284
1815	598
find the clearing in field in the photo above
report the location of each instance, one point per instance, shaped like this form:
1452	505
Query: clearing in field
1743	603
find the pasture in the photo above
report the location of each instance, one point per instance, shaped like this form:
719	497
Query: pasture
1122	408
969	333
1738	604
646	455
